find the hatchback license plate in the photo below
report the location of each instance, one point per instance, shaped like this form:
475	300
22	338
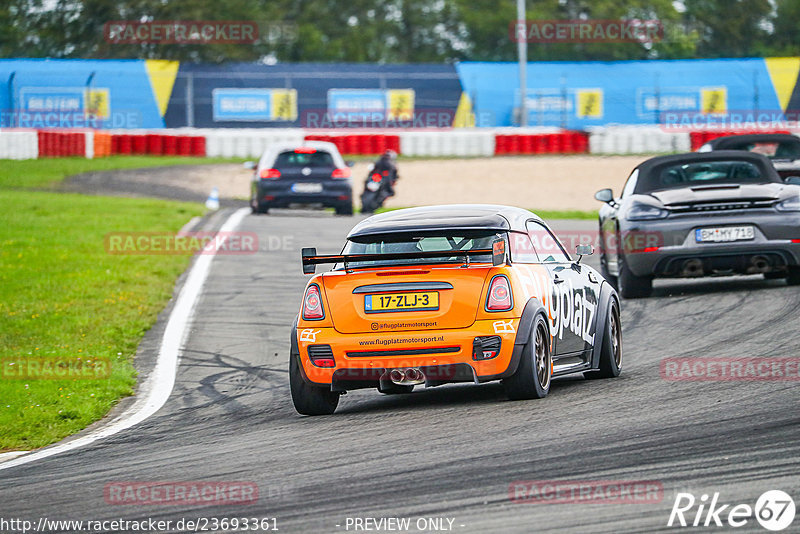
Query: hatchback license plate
389	302
308	187
725	234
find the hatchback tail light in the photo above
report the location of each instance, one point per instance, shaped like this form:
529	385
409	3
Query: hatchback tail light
270	173
341	173
312	304
499	298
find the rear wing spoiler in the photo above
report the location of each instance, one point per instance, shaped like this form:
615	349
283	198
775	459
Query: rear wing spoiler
311	259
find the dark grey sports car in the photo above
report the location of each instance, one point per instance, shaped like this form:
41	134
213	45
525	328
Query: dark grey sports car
700	214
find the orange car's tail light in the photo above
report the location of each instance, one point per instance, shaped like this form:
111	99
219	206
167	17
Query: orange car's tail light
499	298
341	173
312	304
270	173
321	355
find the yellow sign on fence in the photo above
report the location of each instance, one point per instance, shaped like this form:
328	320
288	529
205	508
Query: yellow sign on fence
589	103
714	99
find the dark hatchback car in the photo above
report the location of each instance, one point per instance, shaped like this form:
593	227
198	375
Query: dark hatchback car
312	175
782	149
700	214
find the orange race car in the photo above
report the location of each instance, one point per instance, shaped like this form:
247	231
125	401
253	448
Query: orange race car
462	293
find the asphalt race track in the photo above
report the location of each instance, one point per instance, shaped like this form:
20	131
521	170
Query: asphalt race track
449	452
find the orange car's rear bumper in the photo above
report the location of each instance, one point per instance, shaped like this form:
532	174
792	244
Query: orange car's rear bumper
442	354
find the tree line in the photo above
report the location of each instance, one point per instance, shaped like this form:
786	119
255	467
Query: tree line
398	31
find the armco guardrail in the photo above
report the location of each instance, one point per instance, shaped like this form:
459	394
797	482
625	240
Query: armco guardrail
251	143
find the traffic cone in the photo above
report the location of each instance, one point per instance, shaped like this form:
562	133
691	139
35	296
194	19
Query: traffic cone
212	202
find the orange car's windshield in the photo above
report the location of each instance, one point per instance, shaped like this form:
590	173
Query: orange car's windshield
407	243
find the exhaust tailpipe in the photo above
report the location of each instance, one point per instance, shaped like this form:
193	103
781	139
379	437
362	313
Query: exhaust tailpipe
413	375
397	376
692	268
760	264
408	377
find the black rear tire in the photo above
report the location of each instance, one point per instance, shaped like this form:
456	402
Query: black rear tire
632	286
308	399
793	277
346	209
611	351
533	376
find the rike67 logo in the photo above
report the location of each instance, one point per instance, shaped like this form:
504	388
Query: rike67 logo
774	510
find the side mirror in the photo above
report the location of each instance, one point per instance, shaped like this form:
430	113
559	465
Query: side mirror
794	180
584	250
498	251
308	252
349	163
605	195
249	165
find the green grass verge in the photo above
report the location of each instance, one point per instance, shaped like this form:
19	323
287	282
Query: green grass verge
49	171
63	297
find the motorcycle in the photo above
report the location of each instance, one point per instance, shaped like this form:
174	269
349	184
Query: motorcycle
378	187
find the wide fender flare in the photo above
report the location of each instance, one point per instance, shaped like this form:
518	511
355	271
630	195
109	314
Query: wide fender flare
294	351
607	294
532	308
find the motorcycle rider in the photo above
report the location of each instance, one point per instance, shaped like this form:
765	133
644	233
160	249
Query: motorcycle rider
386	166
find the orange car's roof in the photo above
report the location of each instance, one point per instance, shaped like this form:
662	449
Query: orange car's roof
456	217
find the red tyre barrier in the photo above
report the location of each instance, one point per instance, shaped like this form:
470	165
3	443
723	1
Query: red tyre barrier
392	142
199	146
539	144
155	144
513	144
42	141
139	144
379	144
184	145
80	144
125	144
500	145
170	145
363	144
350	145
580	142
566	143
525	144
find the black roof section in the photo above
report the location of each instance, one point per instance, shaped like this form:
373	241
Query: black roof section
458	217
731	141
763	163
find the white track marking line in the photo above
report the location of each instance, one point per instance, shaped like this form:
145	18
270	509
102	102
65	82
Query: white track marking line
157	388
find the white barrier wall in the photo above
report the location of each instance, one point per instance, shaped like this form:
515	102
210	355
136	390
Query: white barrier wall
447	143
245	143
19	145
637	140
